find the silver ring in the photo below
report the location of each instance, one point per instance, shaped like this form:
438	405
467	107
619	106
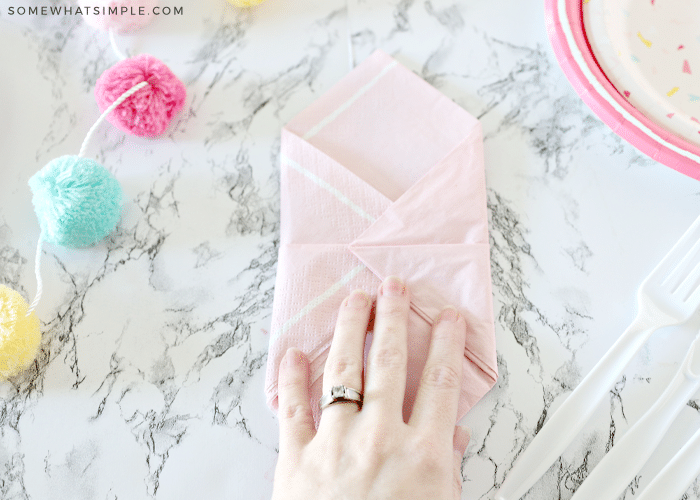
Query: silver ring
341	394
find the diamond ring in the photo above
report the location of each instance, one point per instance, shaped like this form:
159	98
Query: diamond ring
341	394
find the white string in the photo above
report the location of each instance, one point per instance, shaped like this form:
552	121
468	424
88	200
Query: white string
113	43
121	99
37	272
107	111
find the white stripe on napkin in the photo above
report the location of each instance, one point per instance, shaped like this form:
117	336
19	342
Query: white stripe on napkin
317	301
335	192
317	128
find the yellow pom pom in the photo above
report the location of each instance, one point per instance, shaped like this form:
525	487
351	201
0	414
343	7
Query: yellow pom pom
19	334
246	3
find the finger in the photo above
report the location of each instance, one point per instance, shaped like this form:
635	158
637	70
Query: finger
346	356
296	420
386	363
438	392
460	440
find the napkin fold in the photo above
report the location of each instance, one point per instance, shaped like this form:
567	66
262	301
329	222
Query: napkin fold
383	175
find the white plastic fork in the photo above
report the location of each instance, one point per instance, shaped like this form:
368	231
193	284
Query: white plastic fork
618	467
668	296
677	475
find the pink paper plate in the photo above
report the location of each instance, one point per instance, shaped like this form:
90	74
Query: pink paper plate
631	61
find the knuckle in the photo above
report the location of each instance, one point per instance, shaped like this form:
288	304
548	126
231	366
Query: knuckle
389	357
339	367
331	453
441	377
295	412
392	330
428	455
288	382
352	319
375	442
446	332
393	309
375	446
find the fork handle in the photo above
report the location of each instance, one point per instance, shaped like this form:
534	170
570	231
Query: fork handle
677	475
572	415
618	467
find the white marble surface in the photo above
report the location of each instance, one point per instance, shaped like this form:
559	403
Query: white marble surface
149	384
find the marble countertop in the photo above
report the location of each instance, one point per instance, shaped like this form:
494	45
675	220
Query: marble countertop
149	384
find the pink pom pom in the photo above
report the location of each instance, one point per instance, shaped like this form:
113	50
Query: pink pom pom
149	111
128	16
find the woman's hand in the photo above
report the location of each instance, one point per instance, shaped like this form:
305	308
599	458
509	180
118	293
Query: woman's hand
370	453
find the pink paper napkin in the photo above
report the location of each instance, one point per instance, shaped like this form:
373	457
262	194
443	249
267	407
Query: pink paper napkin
383	175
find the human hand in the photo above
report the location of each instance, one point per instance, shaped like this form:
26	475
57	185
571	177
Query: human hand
371	453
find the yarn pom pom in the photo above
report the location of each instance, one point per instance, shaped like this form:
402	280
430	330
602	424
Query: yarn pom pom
150	110
119	15
246	3
78	202
19	334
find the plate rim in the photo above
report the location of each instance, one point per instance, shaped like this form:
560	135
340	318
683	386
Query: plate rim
604	99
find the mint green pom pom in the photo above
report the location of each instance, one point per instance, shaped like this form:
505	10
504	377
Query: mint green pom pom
78	202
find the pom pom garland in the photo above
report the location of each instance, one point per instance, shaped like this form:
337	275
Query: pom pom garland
77	201
149	112
97	14
19	333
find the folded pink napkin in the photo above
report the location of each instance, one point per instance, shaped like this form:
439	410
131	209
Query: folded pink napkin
383	175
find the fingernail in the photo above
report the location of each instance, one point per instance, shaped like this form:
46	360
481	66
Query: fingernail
393	287
467	433
463	435
358	299
449	314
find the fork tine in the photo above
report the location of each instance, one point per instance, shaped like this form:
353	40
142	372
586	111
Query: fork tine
683	264
694	297
688	285
674	264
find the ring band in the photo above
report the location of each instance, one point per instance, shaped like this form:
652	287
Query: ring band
341	394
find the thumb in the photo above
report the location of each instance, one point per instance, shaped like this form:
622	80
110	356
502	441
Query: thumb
460	440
